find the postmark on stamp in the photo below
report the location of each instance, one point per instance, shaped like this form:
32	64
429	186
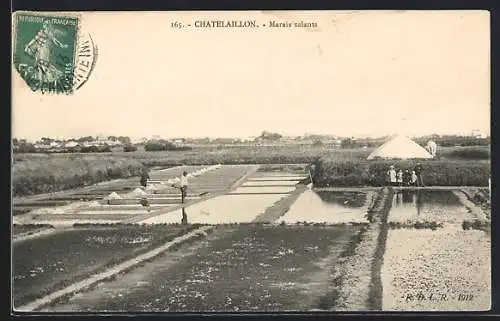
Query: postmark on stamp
86	58
50	53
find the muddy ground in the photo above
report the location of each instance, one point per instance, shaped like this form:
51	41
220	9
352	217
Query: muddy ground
47	263
237	268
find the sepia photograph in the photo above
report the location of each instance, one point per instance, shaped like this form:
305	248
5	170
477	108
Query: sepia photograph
251	161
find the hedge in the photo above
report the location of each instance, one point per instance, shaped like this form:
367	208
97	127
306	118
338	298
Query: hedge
333	172
51	174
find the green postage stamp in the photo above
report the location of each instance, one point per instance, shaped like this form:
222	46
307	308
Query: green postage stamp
45	48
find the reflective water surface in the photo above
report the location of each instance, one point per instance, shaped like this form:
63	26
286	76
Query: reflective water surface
327	207
221	209
444	206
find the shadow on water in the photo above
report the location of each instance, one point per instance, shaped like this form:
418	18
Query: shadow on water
343	199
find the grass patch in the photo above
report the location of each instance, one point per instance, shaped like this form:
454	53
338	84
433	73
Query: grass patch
27	229
41	173
469	153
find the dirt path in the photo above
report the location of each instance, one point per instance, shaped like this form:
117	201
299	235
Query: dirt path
33	234
280	208
381	209
475	210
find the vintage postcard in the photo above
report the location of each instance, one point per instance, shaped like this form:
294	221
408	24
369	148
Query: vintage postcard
259	161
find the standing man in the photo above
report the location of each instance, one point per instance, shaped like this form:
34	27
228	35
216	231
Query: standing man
392	176
400	178
406	178
184	186
418	171
144	177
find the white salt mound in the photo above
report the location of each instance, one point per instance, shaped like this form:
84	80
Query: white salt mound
93	204
113	196
138	192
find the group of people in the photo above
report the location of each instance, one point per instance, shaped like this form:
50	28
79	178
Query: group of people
405	177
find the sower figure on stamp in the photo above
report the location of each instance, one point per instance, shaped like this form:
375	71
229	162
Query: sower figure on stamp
41	49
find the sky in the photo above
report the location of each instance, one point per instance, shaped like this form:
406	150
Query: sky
361	73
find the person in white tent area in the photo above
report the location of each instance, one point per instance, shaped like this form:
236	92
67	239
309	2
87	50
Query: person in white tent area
432	148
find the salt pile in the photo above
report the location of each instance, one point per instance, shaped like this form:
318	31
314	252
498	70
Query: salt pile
113	196
137	192
94	204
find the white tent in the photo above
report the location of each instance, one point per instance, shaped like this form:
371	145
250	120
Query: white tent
400	147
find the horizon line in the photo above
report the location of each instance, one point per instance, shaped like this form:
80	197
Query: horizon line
468	133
